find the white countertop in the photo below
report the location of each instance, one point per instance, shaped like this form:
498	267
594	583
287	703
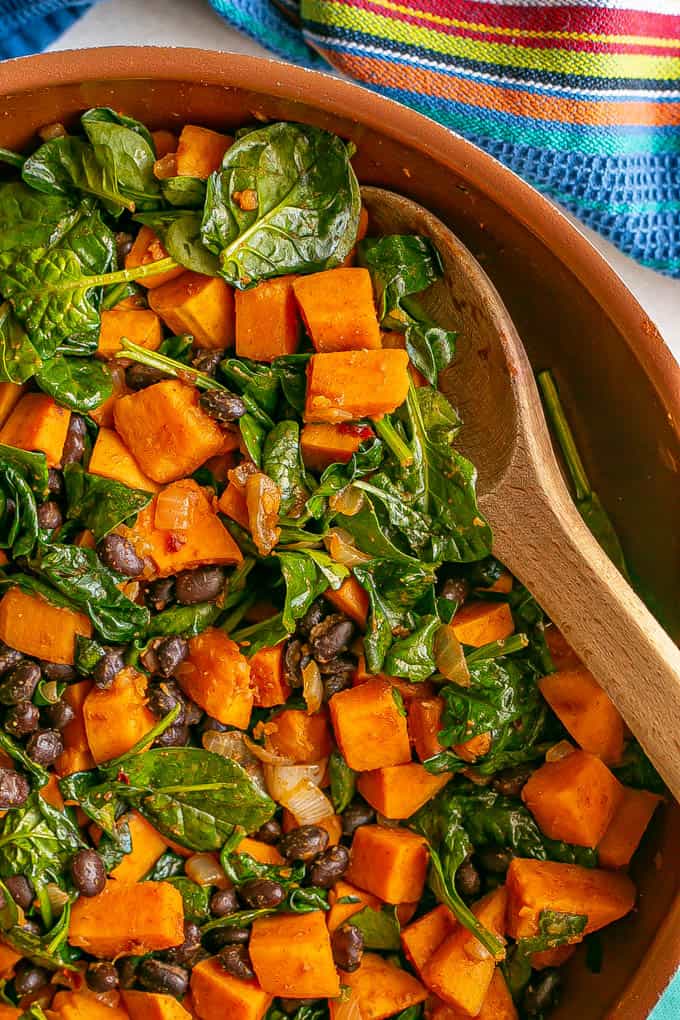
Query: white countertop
194	23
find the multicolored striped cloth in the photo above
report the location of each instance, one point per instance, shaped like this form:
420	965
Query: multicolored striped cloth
580	99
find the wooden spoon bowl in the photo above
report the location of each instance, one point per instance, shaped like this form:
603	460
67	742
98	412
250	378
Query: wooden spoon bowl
538	532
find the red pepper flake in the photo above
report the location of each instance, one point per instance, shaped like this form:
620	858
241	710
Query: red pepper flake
174	542
123	777
362	431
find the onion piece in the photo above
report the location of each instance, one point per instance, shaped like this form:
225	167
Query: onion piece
308	803
281	780
341	548
312	687
205	869
559	751
175	509
263	499
57	897
347	501
449	657
263	755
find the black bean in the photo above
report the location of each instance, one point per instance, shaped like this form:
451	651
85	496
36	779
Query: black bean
57	671
455	589
31	927
55	482
291	1006
21	683
185	955
9	658
221	406
45	746
107	668
22	719
294	658
193	713
356	814
542	993
332	685
228	936
124	242
88	872
127	971
29	978
201	585
160	592
331	637
206	360
347	945
74	447
329	866
59	715
223	902
312	617
49	516
468	882
165	978
208	723
261	892
236	961
510	782
176	735
164	696
138	377
117	553
339	664
21	890
304	843
101	976
14	789
496	862
169	654
270	832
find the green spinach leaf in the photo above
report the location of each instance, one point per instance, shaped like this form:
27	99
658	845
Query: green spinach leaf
19	359
306	574
343	782
184	192
380	928
18	511
281	460
101	504
196	899
180	232
28	220
554	929
76	383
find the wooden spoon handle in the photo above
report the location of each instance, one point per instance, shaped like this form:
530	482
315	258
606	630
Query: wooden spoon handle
601	617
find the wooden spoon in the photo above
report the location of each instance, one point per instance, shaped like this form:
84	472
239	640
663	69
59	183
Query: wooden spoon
538	532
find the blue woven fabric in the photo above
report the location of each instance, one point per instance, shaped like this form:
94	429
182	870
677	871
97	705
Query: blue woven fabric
29	26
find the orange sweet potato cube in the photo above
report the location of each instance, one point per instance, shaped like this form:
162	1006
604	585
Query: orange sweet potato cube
322	445
479	623
586	712
424	724
200	305
338	309
390	863
215	993
128	919
111	459
200	151
562	654
295	734
164	142
420	940
10	394
552	957
380	988
397	791
8	957
146	249
340	912
351	599
534	886
153	1006
347	385
627	827
76	756
217	677
167	432
263	852
141	326
35	627
270	686
117	717
9	1013
573	799
291	956
369	726
267	323
497	1005
83	1005
37	422
147	846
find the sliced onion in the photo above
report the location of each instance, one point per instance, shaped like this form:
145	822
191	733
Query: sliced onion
264	755
50	692
385	822
51	131
559	751
308	803
341	548
228	745
263	499
175	509
57	897
204	869
312	687
449	657
281	780
348	501
166	166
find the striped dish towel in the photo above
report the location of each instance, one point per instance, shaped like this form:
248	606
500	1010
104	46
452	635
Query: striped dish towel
580	99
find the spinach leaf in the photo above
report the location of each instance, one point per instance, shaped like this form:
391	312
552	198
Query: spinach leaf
306	574
101	504
281	460
184	620
50	950
253	435
414	527
67	166
76	383
37	840
99	803
380	928
313	1010
412	657
87	655
184	192
180	232
343	782
307	211
28	220
80	576
90	239
19	359
15	750
168	865
261	635
554	929
124	149
402	265
18	512
258	383
636	770
241	867
338	476
196	899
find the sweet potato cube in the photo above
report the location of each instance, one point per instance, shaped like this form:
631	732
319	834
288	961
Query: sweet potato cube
35	627
552	957
627	827
420	940
103	415
233	504
216	993
8	957
369	727
168	551
424	724
586	712
10	1012
339	912
347	385
562	654
141	325
84	1006
263	852
146	249
295	734
351	599
164	142
390	863
479	623
200	305
152	1006
116	718
166	431
37	422
381	988
338	309
397	791
321	445
291	956
460	970
217	677
497	1005
76	756
200	151
147	847
267	323
270	686
111	459
10	395
128	919
534	886
573	799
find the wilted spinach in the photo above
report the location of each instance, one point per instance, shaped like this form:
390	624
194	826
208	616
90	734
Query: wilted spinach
307	574
101	504
380	928
554	929
19	359
76	383
180	231
343	781
281	460
18	511
184	192
196	898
